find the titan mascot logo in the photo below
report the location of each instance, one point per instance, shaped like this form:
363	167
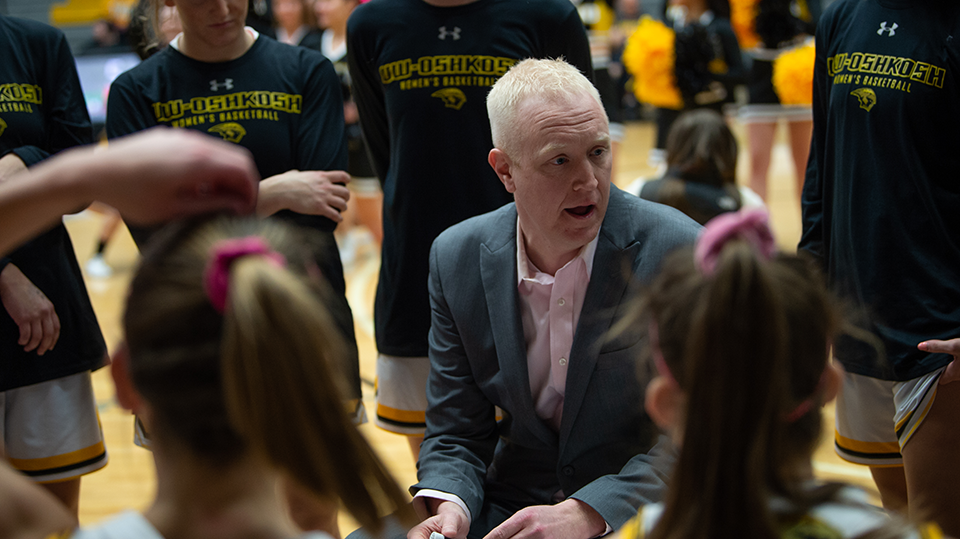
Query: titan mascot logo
3	126
230	131
452	98
867	98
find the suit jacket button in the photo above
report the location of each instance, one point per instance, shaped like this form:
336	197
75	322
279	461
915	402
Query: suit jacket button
567	470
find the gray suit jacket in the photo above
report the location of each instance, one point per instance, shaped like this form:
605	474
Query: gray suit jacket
478	361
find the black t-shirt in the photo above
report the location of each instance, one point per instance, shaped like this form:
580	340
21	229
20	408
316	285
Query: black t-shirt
279	101
42	111
881	194
420	77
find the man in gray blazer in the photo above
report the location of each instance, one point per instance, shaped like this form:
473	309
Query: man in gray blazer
523	300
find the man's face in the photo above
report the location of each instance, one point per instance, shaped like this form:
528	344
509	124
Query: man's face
560	176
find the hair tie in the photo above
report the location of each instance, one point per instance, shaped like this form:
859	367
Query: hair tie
216	276
750	225
804	407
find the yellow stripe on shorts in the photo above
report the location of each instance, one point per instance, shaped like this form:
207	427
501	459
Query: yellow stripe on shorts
402	416
58	461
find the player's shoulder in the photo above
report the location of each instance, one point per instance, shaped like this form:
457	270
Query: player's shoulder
536	9
303	59
379	13
30	32
491	229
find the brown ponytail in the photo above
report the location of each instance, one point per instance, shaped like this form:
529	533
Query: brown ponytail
747	344
279	343
258	378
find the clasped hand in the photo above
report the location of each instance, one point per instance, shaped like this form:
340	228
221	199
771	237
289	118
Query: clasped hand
569	519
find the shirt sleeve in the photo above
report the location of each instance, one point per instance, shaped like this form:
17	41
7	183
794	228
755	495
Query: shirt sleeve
419	501
368	94
811	199
322	141
462	430
570	41
127	111
67	122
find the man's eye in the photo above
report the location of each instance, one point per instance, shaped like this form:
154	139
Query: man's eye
559	160
599	151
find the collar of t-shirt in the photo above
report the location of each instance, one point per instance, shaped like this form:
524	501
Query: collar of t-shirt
550	308
334	54
290	39
175	42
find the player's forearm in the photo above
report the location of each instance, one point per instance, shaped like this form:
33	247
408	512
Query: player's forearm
32	200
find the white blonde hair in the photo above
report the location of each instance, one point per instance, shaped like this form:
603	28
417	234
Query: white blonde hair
553	80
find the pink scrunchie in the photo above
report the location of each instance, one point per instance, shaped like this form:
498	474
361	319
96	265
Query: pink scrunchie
750	225
216	276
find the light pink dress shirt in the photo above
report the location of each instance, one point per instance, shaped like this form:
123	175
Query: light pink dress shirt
550	308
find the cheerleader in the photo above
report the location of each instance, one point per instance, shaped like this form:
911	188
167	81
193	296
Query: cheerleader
708	61
781	25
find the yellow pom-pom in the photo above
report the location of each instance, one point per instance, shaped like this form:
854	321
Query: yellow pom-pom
793	75
650	57
743	17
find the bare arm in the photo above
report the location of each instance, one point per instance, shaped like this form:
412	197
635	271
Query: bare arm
150	177
26	510
310	192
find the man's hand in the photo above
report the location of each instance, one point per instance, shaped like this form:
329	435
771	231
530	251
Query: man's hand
10	165
952	347
569	519
30	310
448	518
310	192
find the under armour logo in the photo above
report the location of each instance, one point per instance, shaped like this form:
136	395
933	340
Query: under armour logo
883	28
227	84
455	33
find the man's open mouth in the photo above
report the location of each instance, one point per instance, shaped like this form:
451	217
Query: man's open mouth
581	211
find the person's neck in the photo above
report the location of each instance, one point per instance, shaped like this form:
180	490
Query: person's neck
193	49
290	30
694	14
195	500
339	33
544	260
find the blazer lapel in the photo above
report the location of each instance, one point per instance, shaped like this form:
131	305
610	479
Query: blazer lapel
612	267
498	271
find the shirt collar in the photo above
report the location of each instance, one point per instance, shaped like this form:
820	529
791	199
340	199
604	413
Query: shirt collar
175	42
527	270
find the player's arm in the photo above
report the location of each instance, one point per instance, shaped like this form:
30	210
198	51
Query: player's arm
461	422
569	41
368	94
811	199
317	184
151	178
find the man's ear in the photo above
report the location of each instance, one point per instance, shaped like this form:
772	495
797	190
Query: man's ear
127	396
502	165
832	380
664	403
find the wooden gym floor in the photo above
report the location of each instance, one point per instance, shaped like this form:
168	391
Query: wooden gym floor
129	480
